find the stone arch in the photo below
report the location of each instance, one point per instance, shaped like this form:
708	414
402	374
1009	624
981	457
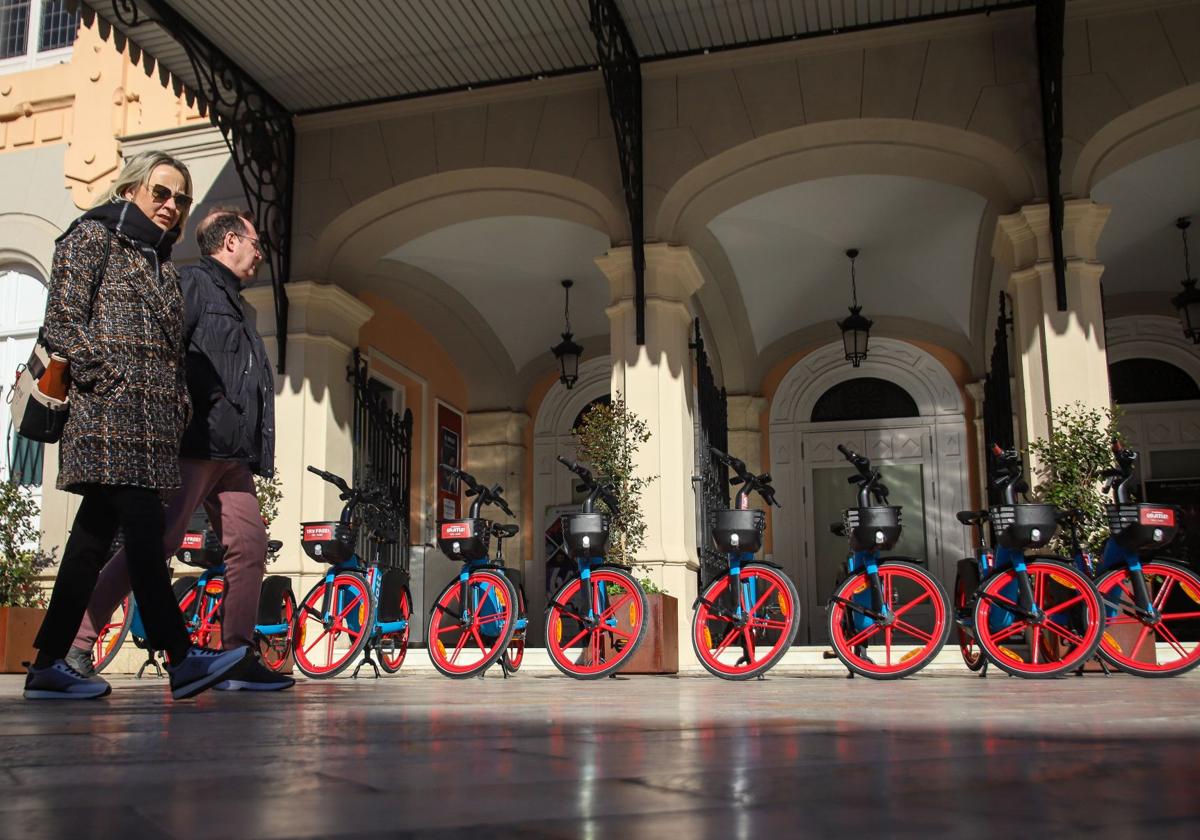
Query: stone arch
823	150
1160	124
354	241
1151	337
28	241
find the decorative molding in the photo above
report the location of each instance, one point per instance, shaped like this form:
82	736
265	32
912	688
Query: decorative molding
560	407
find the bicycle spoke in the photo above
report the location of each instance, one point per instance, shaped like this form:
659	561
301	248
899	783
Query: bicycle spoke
729	637
925	596
768	624
613	606
1065	605
1178	616
914	631
1011	630
1161	598
1035	644
1064	633
748	642
863	636
577	637
1140	641
887	647
763	599
1171	640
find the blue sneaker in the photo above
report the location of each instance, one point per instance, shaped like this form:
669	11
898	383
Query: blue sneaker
254	676
202	668
59	681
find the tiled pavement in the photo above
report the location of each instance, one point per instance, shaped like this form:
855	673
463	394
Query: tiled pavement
540	755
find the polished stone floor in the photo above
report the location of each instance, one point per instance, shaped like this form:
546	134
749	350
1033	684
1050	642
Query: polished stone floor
542	756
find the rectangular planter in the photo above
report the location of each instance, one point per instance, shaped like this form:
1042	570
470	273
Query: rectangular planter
659	651
18	628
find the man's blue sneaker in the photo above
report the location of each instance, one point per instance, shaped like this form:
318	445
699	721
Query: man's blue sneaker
59	681
202	669
254	676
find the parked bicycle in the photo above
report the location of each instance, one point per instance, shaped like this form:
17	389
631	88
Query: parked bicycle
477	615
596	621
357	608
1151	603
200	598
745	620
1031	615
889	617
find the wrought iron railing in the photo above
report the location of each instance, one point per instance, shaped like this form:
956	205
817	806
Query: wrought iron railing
711	476
997	397
383	461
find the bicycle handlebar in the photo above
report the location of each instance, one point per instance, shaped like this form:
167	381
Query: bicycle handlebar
1007	474
493	495
605	491
867	478
750	482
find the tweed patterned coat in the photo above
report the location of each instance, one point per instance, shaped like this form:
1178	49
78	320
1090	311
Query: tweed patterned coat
129	402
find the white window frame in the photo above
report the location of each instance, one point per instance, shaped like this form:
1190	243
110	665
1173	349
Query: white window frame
33	59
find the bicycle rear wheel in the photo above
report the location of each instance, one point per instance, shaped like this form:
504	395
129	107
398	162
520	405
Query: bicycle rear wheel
396	605
1165	648
738	636
920	624
1065	636
112	635
326	646
592	640
965	584
465	639
276	606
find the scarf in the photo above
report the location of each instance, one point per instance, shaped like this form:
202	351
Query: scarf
123	217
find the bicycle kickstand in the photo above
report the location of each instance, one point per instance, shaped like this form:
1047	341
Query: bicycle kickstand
367	660
152	659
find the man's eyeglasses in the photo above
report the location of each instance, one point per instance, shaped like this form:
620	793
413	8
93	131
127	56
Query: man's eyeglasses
258	246
160	194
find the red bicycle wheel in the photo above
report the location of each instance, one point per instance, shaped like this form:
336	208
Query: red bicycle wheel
515	655
203	622
465	639
325	646
1163	648
965	584
393	647
883	650
111	635
1067	634
592	640
277	606
738	636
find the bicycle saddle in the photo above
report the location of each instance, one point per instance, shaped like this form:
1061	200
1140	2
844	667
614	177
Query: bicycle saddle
838	529
503	532
274	546
971	517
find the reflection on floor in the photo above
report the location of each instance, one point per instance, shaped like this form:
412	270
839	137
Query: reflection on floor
544	756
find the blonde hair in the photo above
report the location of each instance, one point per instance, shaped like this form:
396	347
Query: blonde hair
137	173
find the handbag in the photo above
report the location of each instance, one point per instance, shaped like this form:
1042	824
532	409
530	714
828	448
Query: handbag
38	415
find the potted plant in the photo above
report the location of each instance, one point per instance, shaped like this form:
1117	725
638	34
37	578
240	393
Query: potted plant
22	598
608	437
1068	467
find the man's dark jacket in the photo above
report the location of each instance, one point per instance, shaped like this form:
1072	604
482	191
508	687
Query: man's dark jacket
228	373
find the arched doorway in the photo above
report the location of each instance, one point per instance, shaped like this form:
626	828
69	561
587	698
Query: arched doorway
903	410
22	307
553	486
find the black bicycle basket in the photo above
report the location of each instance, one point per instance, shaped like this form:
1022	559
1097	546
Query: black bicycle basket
875	528
327	542
1020	527
586	534
201	549
739	530
465	539
1140	526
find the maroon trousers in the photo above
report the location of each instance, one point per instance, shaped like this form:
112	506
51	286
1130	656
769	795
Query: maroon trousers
227	490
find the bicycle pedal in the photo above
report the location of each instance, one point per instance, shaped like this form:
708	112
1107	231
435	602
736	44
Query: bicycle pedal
828	654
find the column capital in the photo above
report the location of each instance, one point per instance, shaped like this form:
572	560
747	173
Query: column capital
321	309
673	272
490	428
1023	238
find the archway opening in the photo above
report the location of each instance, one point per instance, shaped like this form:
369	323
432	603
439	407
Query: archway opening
865	398
1142	380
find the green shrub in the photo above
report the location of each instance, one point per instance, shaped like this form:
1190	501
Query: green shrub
21	558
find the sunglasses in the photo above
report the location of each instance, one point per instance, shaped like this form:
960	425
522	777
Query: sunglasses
258	246
160	194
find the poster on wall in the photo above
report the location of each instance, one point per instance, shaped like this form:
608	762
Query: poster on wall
449	453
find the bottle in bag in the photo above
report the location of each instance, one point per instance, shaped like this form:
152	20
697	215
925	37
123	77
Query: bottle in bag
56	379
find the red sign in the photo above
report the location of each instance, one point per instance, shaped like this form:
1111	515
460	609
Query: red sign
316	533
455	530
192	539
1157	516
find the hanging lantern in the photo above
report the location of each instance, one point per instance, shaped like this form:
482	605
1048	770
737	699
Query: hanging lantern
856	328
567	351
1188	301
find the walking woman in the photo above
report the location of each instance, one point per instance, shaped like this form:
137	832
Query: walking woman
115	310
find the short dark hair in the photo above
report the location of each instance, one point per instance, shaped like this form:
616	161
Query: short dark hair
217	224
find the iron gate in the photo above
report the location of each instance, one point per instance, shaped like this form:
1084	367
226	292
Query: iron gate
383	460
997	397
711	477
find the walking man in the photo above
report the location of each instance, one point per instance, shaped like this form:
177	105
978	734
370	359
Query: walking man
231	437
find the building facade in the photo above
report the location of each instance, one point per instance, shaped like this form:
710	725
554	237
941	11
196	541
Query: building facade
431	234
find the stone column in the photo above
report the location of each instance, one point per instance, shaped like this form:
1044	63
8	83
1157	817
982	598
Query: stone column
314	410
496	455
1060	357
656	383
